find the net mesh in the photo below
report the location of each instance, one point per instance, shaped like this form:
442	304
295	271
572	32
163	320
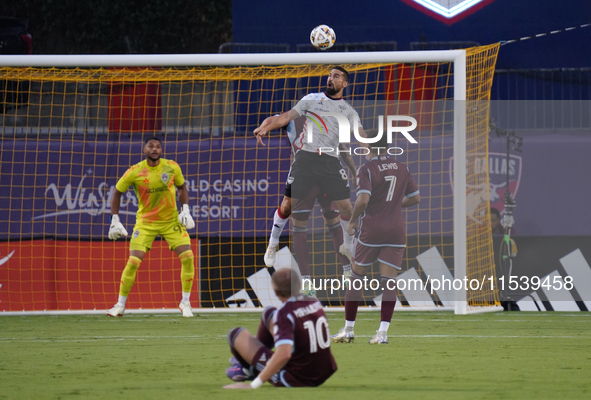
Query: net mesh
68	134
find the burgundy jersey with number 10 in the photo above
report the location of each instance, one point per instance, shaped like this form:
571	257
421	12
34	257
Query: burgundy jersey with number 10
303	324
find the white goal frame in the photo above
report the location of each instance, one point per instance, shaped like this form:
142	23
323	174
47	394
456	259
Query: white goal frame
457	57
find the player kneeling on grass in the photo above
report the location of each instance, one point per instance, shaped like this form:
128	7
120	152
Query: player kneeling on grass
384	187
299	332
155	182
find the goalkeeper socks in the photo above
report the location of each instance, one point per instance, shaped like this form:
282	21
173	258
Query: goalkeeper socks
279	221
388	285
347	239
128	275
122	300
187	270
186	296
336	232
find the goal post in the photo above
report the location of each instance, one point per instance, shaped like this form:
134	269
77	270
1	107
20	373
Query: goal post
86	116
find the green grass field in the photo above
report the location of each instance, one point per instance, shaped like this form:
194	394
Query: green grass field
430	356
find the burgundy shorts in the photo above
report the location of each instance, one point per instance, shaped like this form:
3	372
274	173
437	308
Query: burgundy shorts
365	256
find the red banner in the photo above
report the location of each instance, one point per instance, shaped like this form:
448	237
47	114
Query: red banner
37	275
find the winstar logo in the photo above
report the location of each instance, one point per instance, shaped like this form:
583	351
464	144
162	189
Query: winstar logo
448	11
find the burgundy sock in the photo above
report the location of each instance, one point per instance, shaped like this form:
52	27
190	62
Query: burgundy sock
388	298
336	232
300	248
353	297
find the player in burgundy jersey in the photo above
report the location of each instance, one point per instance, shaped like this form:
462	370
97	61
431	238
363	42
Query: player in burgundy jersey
299	332
384	187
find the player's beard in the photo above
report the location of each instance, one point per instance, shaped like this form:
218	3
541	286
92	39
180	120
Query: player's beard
153	159
331	91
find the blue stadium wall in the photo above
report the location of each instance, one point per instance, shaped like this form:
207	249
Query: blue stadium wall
283	21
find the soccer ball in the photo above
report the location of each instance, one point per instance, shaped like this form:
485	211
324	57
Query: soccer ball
323	37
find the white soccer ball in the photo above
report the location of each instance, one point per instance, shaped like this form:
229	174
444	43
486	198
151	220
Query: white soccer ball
323	37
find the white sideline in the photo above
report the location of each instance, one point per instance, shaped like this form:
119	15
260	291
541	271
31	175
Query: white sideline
237	310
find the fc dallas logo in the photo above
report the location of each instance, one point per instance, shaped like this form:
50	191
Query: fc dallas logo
497	173
448	11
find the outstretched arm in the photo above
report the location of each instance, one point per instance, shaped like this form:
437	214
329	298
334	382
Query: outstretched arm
274	122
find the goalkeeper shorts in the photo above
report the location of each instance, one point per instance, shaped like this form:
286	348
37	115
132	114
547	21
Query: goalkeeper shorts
174	233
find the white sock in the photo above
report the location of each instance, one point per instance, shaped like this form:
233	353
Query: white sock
349	324
122	300
347	239
278	225
186	296
384	326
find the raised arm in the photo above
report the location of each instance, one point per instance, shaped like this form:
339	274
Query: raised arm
274	122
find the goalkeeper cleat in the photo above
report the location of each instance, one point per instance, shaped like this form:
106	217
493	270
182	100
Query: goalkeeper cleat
308	292
237	373
381	337
116	311
345	335
270	255
346	252
185	307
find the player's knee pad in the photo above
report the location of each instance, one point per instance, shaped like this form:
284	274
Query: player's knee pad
233	334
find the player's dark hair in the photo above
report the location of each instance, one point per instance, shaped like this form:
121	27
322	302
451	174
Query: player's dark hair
152	138
343	70
495	212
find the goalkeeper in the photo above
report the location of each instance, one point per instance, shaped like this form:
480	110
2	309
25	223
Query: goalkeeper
154	181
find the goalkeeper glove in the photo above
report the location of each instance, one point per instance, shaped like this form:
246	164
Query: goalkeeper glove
185	217
116	229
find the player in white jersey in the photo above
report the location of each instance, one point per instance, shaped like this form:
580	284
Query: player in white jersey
315	164
301	215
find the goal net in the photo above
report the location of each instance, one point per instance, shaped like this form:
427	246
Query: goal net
72	125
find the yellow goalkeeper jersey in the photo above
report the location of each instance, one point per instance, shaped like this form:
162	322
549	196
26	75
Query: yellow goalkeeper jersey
155	190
